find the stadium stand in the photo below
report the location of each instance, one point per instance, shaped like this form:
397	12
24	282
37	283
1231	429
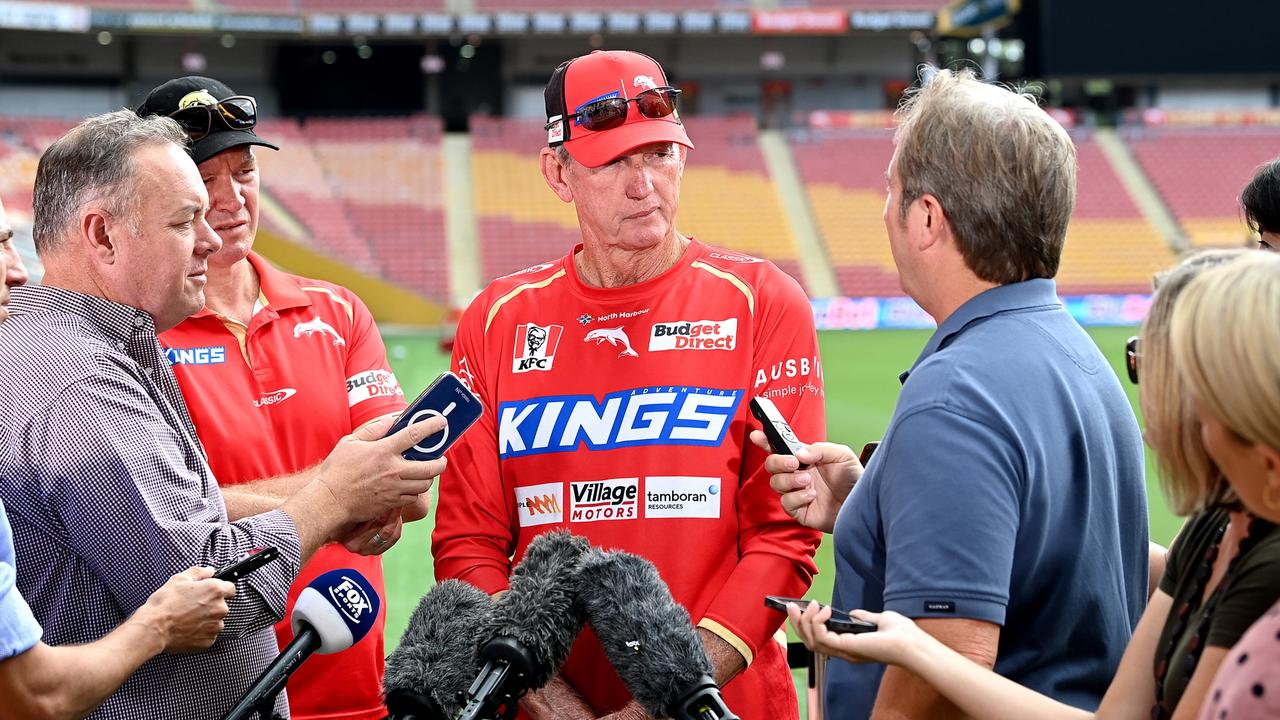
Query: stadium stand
727	197
1199	172
1110	246
369	191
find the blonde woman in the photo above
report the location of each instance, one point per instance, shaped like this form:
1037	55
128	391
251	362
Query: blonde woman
1225	340
1220	578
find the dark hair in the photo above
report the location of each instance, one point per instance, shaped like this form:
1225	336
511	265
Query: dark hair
1261	199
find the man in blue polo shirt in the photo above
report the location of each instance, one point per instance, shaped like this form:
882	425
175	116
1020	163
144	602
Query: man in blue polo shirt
1005	509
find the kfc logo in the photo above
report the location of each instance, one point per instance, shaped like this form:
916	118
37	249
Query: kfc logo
535	347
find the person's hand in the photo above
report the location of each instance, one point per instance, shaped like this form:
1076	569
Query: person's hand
373	537
188	610
368	476
812	497
895	639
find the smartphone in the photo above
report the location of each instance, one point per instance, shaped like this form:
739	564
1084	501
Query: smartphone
254	560
867	451
445	397
782	438
839	622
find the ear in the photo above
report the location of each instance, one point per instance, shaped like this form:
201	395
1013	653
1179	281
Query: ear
99	234
933	227
553	171
1271	458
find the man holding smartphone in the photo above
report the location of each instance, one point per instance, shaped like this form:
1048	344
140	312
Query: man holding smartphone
275	370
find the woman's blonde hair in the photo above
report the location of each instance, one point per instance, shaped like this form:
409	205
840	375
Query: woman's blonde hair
1226	345
1188	476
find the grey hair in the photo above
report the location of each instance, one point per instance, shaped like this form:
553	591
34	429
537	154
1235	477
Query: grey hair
1002	169
93	162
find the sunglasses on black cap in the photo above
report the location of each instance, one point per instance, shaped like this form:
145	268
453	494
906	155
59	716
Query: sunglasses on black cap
609	113
238	112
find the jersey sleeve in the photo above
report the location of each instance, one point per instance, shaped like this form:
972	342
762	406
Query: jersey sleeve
474	535
963	485
775	552
372	388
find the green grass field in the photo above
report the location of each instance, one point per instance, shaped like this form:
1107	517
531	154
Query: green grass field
861	372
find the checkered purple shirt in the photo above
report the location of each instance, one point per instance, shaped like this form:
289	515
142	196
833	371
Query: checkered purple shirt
108	491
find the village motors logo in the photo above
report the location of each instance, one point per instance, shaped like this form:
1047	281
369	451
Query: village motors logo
597	500
535	347
694	335
540	504
274	398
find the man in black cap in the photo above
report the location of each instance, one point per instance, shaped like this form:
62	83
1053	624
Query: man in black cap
276	369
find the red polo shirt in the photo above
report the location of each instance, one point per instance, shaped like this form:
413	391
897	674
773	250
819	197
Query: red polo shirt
274	398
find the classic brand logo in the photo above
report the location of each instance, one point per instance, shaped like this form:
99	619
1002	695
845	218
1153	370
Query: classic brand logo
597	500
349	597
639	416
274	398
372	384
734	258
316	325
212	355
616	337
535	347
681	497
540	504
694	335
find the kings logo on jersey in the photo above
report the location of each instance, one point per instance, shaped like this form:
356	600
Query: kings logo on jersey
535	347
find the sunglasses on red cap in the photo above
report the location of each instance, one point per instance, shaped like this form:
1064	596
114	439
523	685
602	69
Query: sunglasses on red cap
238	112
609	113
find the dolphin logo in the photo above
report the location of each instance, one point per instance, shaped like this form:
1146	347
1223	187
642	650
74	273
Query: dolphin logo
316	325
644	81
614	336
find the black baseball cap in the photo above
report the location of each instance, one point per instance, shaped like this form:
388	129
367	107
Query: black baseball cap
192	91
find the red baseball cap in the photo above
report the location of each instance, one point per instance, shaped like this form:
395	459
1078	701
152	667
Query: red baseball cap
600	75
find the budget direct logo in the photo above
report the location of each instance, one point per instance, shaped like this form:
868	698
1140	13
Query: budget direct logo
694	335
211	355
349	598
540	504
372	384
681	497
274	398
535	347
597	500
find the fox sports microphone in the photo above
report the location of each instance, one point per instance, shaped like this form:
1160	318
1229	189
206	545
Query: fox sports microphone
333	612
648	637
428	674
532	629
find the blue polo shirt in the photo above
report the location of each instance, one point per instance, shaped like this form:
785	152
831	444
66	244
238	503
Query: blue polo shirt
19	631
1007	488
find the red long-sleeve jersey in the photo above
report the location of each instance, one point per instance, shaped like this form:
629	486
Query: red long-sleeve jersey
621	414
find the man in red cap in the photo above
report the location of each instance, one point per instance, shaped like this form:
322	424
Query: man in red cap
616	383
275	369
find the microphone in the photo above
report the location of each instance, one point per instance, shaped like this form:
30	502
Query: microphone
532	628
428	674
648	637
333	612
